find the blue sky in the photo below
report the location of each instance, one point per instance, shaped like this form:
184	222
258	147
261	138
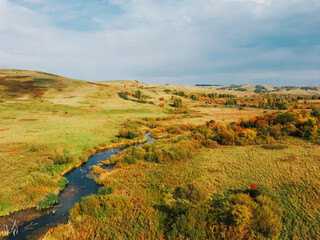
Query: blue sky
274	42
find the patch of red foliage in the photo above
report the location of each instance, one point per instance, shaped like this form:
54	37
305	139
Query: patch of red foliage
253	186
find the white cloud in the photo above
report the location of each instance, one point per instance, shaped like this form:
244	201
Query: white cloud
181	41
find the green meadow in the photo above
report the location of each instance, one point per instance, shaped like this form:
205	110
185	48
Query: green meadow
46	118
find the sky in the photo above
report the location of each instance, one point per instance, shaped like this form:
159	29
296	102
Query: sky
269	42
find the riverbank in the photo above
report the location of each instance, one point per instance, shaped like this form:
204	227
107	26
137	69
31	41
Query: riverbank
69	118
30	214
148	191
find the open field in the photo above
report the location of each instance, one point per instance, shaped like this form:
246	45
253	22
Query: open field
291	176
50	124
44	114
249	89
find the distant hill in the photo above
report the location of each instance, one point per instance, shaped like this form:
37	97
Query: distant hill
35	84
21	83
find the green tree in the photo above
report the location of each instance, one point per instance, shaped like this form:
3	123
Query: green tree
138	94
316	112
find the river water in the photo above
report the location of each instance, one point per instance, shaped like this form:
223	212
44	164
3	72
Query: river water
81	184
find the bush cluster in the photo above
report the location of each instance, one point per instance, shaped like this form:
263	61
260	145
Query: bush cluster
263	129
50	200
177	102
274	102
298	124
159	152
192	192
260	89
189	138
130	133
137	95
243	215
61	156
108	216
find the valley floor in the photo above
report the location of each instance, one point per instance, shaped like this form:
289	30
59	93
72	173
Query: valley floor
50	124
291	176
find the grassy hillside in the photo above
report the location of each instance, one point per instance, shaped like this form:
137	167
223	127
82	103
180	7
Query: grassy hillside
42	115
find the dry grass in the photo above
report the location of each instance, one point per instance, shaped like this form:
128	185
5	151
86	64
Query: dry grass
292	183
210	89
220	114
274	146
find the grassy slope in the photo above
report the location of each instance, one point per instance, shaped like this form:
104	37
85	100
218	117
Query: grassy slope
70	114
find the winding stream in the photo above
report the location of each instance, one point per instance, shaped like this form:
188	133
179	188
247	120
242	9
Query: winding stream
81	184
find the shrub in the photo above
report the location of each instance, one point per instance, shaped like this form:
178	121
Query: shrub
158	132
259	89
267	218
226	137
130	133
97	170
253	186
226	216
177	102
240	211
49	200
269	131
185	221
138	94
129	156
241	215
123	219
284	118
153	123
37	148
61	156
63	182
115	140
316	112
205	131
174	130
210	143
105	190
192	192
123	95
168	151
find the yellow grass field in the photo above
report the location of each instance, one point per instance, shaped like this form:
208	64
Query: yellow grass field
290	175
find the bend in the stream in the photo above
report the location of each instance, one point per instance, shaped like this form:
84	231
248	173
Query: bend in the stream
81	184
